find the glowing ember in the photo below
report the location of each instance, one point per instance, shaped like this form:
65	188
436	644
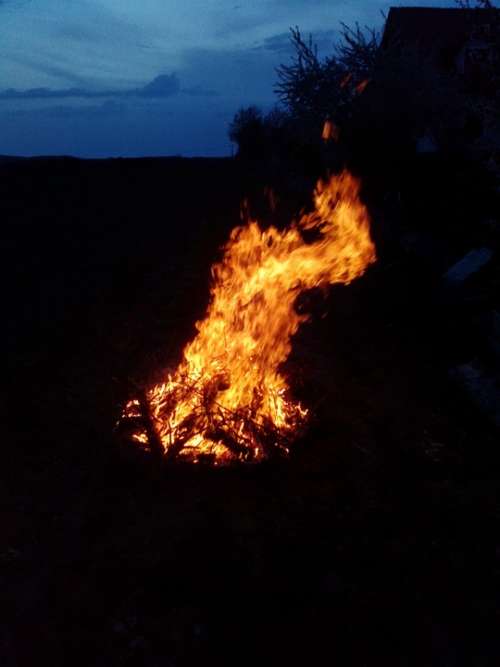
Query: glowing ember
228	400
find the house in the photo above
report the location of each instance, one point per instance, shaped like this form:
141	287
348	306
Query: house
463	42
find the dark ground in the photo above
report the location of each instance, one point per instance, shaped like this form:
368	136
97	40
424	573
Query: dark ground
376	543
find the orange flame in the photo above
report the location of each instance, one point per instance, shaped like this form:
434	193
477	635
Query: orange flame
228	399
330	131
346	80
361	87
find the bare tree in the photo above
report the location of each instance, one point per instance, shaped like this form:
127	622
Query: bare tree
308	87
357	50
311	88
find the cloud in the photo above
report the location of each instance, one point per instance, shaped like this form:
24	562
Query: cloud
278	43
199	91
245	75
44	93
282	44
107	108
14	4
45	66
164	85
80	33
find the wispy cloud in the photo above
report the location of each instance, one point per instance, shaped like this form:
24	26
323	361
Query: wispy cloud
164	85
46	66
282	44
65	112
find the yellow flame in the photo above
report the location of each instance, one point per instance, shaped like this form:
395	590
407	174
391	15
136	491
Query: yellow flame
228	398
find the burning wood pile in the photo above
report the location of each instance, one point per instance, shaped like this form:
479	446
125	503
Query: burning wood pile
228	400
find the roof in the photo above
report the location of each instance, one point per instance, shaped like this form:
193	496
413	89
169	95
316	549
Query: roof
433	29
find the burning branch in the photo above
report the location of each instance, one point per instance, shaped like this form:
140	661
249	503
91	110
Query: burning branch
228	400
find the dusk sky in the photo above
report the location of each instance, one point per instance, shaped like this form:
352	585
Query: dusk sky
97	78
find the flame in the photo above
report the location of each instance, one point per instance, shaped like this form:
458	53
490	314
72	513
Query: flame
361	87
228	400
330	131
346	80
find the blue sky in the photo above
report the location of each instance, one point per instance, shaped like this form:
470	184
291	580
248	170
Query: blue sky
97	78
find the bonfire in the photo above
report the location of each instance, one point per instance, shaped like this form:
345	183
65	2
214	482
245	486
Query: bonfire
229	399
